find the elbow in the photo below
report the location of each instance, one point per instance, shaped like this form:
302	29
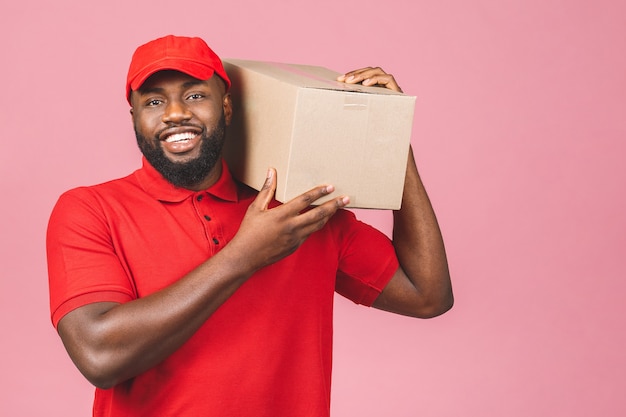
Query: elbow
438	301
101	381
420	308
402	297
94	348
433	305
436	309
98	370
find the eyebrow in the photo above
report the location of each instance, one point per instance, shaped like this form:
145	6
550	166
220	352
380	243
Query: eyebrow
151	90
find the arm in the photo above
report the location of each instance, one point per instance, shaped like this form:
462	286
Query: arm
111	342
421	287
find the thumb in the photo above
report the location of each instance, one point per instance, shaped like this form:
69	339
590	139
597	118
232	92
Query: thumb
267	192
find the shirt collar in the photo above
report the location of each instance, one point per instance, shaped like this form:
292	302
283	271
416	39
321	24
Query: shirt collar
158	187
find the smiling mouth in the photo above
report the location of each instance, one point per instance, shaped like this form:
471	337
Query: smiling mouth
180	137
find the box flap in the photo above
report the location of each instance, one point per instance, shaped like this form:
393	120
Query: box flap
306	76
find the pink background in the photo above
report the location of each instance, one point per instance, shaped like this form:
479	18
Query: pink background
520	136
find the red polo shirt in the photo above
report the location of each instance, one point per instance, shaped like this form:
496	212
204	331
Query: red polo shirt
267	350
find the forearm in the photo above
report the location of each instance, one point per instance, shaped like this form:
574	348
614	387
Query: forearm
419	245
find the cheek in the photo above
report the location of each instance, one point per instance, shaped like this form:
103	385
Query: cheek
143	125
211	119
145	137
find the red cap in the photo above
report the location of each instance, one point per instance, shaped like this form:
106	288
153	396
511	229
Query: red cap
189	55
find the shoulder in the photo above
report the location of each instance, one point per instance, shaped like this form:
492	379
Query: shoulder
117	188
93	198
344	220
345	227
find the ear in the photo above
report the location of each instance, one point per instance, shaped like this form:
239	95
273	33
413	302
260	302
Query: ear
130	101
227	105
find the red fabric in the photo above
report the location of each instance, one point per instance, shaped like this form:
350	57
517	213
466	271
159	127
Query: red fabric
267	350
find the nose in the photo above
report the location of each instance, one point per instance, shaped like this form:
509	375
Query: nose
175	112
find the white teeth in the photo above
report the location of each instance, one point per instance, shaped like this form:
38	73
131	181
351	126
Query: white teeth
179	137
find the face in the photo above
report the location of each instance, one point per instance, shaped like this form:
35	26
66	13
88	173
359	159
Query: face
179	123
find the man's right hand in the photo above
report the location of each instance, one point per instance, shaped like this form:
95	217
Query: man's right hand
270	234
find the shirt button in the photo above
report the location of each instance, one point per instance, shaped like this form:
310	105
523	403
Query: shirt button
199	197
217	242
207	218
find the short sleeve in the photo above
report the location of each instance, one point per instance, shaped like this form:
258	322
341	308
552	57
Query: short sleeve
367	261
83	266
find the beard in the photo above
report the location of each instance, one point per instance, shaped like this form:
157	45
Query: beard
189	173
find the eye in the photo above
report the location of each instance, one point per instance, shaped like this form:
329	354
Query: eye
195	96
153	102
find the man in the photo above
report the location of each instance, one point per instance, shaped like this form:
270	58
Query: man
178	291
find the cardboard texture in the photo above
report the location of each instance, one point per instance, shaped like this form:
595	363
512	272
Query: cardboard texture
315	130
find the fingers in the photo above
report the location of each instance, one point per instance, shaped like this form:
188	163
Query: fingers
311	219
315	218
299	203
370	76
305	218
308	198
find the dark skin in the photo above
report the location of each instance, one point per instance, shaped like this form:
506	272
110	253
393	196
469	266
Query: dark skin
111	342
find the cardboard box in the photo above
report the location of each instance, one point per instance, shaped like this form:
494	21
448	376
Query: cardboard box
315	130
